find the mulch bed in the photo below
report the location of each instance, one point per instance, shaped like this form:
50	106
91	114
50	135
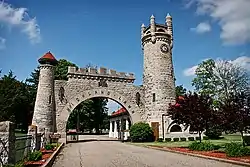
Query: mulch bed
215	153
46	155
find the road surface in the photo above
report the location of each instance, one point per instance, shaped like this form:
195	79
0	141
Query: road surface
117	154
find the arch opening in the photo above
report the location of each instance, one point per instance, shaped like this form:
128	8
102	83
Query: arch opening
123	100
175	128
99	116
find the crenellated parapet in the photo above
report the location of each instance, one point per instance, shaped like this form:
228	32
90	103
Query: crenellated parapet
100	74
158	32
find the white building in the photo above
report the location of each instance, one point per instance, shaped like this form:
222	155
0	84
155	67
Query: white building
119	124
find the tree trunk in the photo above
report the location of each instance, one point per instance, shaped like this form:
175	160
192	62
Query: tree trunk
243	142
199	132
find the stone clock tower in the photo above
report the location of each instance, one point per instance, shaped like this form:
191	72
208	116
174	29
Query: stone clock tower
158	75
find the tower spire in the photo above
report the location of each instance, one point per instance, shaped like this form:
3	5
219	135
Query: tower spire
152	28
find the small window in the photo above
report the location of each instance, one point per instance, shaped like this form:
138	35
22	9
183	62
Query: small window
50	99
138	96
153	97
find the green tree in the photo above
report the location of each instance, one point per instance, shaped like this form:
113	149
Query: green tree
204	82
230	79
180	90
235	113
14	100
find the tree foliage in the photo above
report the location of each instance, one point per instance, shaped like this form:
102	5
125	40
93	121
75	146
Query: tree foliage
204	82
235	113
15	101
192	110
180	90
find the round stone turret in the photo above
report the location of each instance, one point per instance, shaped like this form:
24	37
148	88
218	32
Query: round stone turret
44	114
158	75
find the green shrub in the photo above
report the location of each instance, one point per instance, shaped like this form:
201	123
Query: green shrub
176	139
191	138
167	139
203	146
16	165
49	147
205	138
246	140
183	139
160	139
197	138
236	150
141	132
213	133
35	156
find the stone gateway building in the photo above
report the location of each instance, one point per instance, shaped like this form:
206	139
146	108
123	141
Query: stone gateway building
56	99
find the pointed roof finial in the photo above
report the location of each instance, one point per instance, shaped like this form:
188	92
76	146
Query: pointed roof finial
152	17
143	25
168	16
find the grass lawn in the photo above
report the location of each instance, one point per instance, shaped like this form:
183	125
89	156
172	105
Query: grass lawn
226	139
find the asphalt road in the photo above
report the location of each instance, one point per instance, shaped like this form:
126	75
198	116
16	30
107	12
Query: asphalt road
117	154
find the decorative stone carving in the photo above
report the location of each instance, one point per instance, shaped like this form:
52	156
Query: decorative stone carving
102	83
61	125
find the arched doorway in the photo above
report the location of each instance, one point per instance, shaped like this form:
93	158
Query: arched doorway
62	114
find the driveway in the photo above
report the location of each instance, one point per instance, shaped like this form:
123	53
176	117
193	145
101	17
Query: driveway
117	154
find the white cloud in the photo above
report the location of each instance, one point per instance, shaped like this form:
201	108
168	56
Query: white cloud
242	61
190	71
202	28
2	43
233	16
19	17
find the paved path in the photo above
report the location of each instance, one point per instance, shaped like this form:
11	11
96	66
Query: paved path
117	154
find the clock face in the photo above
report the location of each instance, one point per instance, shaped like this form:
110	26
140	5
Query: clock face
164	48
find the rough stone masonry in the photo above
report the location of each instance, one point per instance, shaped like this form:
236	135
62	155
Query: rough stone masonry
56	99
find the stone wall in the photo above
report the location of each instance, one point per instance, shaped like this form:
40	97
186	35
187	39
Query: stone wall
7	143
77	90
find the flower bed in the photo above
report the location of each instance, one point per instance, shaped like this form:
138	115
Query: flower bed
46	154
215	154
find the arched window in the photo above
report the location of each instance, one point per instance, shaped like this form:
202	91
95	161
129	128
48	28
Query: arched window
160	30
175	128
61	93
138	98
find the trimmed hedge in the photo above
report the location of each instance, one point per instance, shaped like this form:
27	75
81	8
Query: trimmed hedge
203	146
160	139
236	150
141	132
176	139
167	139
191	138
183	139
246	139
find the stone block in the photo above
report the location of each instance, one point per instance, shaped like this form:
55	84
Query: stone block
7	142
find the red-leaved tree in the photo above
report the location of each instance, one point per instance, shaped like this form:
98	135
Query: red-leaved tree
235	113
192	110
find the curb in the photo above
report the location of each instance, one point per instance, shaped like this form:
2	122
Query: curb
50	161
201	156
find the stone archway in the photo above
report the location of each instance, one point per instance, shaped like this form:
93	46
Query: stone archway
63	114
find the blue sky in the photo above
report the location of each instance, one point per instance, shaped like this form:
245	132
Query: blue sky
107	33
